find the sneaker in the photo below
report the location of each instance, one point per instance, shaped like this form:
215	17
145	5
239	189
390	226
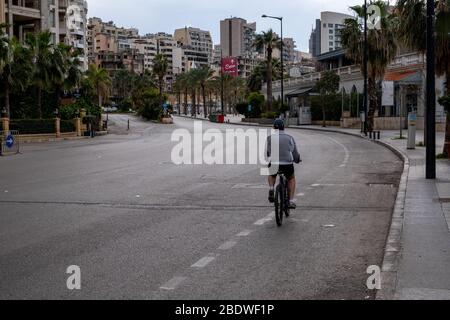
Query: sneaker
272	196
292	205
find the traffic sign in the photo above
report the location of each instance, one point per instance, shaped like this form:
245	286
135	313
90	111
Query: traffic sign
10	141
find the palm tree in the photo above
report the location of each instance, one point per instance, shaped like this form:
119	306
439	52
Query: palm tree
42	48
160	67
411	30
268	41
203	75
99	81
16	69
382	47
193	84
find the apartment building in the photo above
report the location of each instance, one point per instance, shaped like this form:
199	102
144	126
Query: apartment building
197	46
315	39
237	37
289	50
106	36
65	19
326	36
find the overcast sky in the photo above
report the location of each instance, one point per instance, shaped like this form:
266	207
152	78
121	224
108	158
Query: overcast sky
151	16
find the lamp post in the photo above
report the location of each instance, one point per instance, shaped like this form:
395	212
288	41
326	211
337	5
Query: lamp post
221	83
282	54
366	71
431	93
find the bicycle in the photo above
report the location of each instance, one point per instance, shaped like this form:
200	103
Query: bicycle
282	205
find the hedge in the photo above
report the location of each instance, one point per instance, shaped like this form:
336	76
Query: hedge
33	126
67	126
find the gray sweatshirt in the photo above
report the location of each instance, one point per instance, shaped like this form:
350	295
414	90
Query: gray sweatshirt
288	149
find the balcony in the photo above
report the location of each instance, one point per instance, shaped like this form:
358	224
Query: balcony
25	9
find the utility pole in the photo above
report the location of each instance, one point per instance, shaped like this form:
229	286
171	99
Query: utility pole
431	93
221	82
282	54
366	71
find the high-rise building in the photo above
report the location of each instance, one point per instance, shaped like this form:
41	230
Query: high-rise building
326	36
315	40
197	45
64	19
237	37
75	32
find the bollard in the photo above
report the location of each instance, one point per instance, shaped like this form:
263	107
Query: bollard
58	127
128	127
78	126
5	124
412	122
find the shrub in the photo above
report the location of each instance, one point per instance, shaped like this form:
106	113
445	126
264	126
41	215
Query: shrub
67	126
445	102
151	105
269	115
68	112
333	107
33	126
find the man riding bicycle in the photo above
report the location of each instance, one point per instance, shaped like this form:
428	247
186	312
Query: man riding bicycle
288	155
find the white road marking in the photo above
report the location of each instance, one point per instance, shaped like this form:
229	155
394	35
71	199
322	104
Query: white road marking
329	226
203	262
269	218
173	284
244	233
228	245
300	195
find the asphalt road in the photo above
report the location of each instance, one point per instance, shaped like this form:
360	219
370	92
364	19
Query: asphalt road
140	227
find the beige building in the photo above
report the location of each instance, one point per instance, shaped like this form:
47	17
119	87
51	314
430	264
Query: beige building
237	37
106	36
197	45
65	19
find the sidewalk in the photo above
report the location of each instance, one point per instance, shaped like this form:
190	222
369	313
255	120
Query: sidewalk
417	260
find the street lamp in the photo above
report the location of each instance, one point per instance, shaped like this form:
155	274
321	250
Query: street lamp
366	71
431	93
221	83
282	54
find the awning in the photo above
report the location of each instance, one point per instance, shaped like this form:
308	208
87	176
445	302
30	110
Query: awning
299	92
403	76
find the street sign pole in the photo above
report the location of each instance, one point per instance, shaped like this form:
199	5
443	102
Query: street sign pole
431	93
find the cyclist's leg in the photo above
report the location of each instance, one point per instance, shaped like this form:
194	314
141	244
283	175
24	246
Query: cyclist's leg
272	181
292	186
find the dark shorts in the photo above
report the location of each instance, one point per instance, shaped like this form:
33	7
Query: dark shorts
287	170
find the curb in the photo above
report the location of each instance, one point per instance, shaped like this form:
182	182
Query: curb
393	248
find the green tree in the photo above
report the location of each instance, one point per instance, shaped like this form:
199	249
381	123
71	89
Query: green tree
99	82
326	86
41	47
268	41
203	75
150	107
15	69
382	48
411	29
160	68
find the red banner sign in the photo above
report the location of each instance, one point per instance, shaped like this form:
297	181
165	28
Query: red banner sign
230	66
